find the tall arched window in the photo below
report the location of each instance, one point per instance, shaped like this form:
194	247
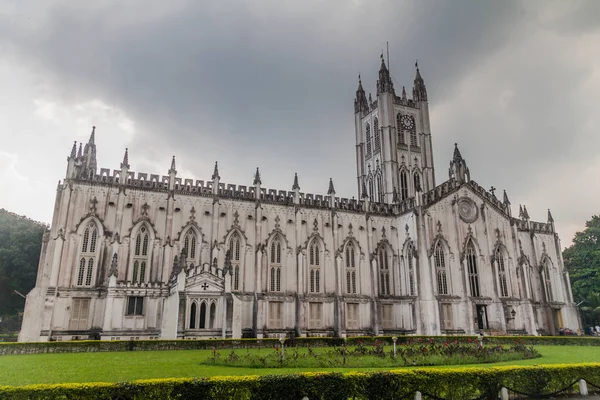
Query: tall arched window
417	181
350	268
411	270
399	129
371	189
202	318
235	243
212	315
193	310
314	267
87	259
380	190
403	185
190	244
368	140
413	133
275	266
384	271
376	136
500	263
440	269
547	280
471	257
140	255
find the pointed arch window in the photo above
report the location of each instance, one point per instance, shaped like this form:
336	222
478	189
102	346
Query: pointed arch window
235	243
411	270
202	318
384	271
547	281
190	245
440	269
471	257
140	255
212	315
368	140
314	267
417	181
88	256
501	264
399	129
275	266
380	190
193	310
414	141
403	185
350	268
376	136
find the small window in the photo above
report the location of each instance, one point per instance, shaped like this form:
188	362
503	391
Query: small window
135	305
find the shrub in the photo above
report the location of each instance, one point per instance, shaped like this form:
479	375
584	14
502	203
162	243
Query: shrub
451	383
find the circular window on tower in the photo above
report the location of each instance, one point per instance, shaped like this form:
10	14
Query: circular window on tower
467	209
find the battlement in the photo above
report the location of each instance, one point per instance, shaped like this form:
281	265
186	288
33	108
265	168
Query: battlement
191	187
532	226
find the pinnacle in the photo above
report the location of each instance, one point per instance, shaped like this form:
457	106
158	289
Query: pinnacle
506	201
550	219
257	180
215	174
125	163
364	194
295	186
80	151
331	190
173	169
93	135
457	155
74	150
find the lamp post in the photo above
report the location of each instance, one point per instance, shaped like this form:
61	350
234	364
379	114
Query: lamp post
282	340
394	339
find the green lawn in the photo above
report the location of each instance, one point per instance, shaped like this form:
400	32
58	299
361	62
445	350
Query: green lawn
127	366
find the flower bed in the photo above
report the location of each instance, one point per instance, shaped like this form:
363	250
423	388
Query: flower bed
374	354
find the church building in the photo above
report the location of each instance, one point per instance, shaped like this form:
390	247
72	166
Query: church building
143	256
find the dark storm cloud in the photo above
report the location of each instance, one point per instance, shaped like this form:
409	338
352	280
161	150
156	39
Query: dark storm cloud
271	83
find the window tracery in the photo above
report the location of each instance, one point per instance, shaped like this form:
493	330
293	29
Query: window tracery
350	268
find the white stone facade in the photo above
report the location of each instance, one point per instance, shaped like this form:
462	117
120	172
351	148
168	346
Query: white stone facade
143	256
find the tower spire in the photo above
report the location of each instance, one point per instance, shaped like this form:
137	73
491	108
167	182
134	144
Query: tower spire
384	83
257	180
419	90
295	186
360	102
80	151
550	219
215	174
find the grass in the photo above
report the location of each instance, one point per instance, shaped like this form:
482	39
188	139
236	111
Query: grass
127	366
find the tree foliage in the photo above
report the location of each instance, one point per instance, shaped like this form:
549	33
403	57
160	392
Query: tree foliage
582	260
20	244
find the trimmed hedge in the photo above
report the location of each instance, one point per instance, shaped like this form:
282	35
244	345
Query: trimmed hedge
208	344
453	383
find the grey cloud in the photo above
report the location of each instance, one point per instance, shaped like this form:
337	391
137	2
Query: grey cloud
271	83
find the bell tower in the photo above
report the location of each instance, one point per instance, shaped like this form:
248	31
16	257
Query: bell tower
394	156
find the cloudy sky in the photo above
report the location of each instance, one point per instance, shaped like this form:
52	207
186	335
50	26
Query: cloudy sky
271	83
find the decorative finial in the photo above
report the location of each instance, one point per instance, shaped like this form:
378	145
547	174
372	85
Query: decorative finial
173	166
93	135
550	219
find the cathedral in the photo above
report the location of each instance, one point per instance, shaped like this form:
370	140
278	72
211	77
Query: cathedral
147	256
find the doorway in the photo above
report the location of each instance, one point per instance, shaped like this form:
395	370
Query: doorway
482	318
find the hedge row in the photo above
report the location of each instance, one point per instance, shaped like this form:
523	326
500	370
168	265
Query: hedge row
457	383
141	345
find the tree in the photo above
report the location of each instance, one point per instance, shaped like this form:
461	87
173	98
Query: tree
20	245
582	260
